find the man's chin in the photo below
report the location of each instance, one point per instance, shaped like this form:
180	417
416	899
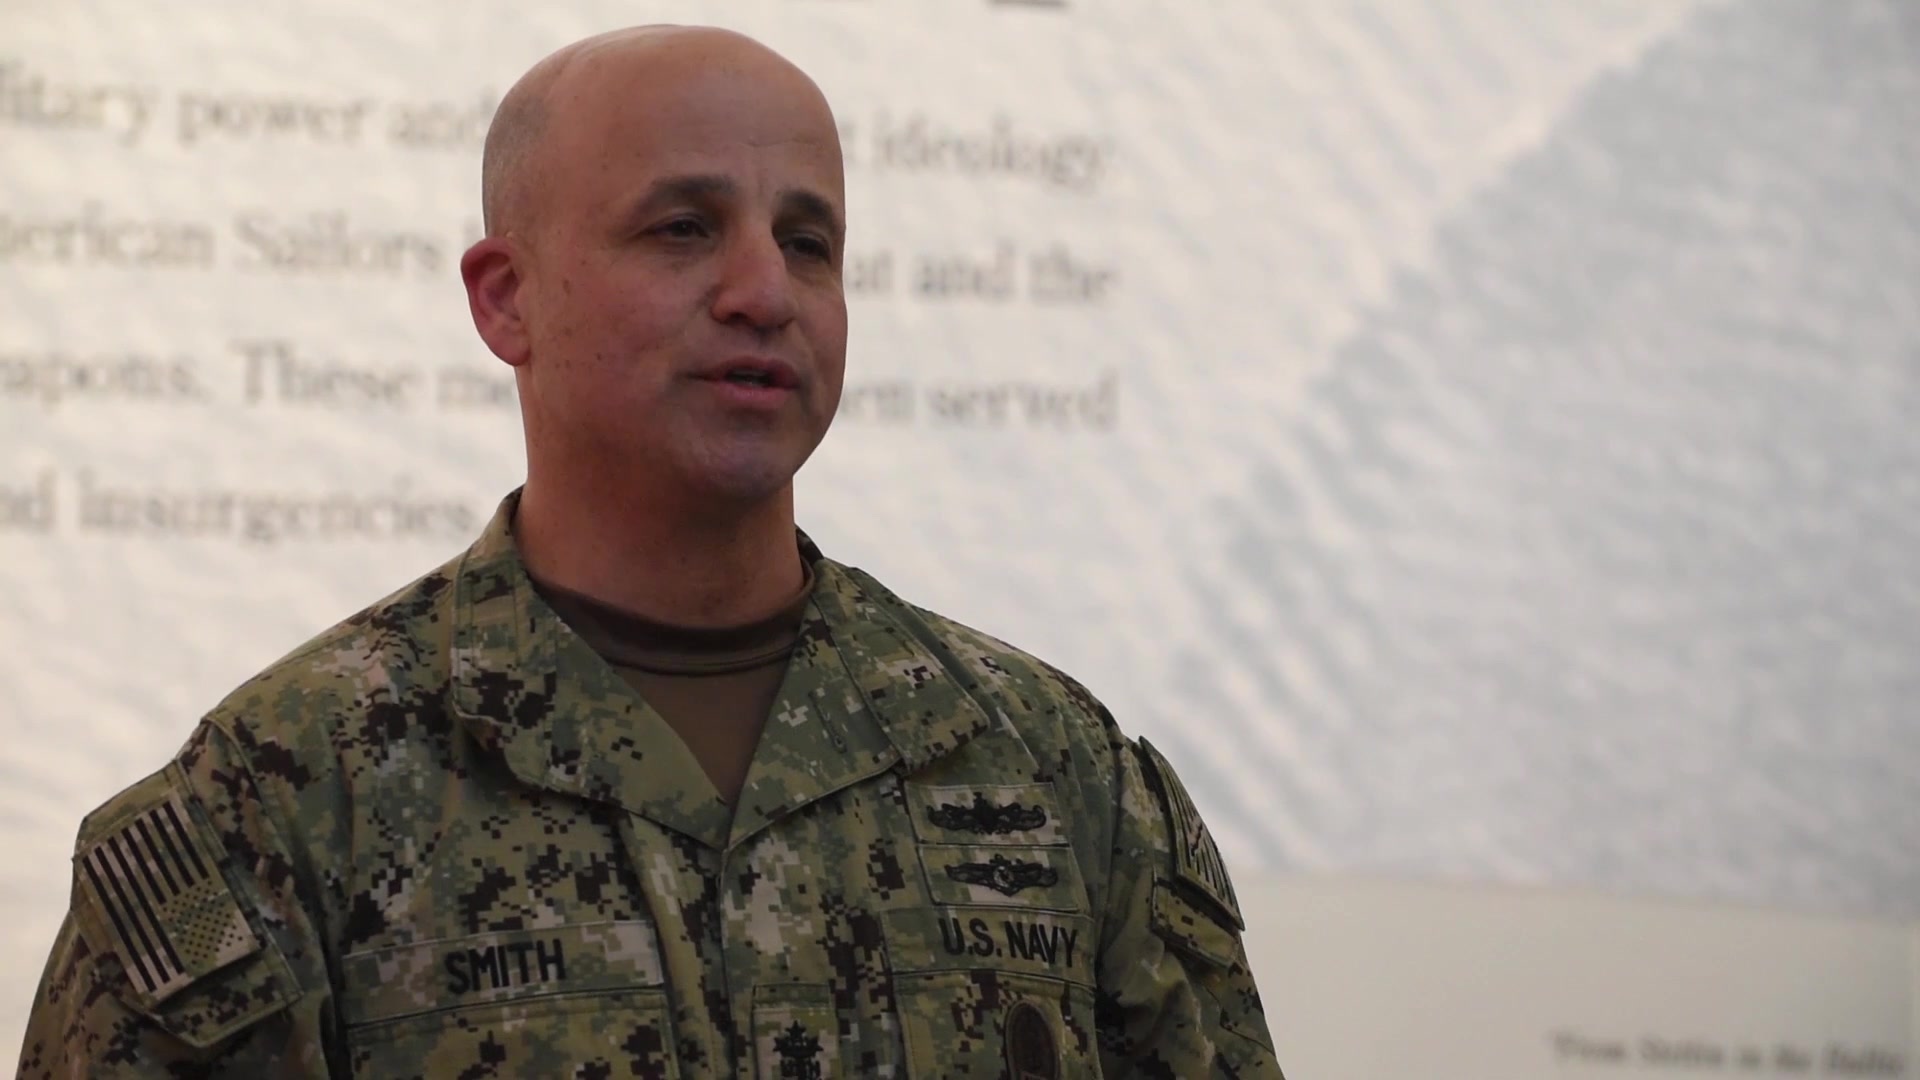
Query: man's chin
743	482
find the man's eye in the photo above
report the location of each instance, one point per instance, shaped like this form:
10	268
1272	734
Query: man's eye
812	247
682	229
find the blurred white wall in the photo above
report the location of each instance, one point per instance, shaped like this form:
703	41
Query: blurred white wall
1476	441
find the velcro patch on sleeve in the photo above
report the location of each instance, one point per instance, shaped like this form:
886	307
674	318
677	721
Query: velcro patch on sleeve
160	899
1181	922
1196	858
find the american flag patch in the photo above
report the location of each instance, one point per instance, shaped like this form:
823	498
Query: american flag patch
163	901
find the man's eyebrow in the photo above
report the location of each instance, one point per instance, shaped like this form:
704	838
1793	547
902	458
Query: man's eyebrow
677	189
797	202
808	204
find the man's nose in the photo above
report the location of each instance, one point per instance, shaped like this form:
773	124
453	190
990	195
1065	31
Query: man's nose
756	285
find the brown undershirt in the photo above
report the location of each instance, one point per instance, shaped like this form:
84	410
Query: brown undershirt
714	687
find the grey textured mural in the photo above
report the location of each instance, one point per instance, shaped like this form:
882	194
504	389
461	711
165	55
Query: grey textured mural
1591	560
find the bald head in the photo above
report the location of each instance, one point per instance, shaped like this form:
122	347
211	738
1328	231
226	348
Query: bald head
666	209
562	84
511	139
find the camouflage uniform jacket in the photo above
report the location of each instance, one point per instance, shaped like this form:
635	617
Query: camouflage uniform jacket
444	839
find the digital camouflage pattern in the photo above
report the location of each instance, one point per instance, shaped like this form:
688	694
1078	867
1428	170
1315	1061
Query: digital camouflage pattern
445	840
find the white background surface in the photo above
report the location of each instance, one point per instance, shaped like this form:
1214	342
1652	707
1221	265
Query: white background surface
1511	476
1505	984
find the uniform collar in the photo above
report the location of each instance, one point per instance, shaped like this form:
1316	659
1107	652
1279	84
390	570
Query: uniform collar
868	687
927	702
530	690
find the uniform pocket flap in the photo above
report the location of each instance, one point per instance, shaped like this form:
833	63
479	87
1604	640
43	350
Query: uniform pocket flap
1189	928
230	1000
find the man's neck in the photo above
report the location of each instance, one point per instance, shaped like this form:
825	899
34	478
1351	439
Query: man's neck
653	560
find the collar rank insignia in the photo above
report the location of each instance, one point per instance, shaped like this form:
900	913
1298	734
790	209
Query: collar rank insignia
986	818
1003	875
799	1052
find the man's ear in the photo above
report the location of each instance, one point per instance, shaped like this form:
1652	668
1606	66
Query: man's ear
493	296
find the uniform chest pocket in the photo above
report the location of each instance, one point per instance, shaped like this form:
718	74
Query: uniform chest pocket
994	990
575	1000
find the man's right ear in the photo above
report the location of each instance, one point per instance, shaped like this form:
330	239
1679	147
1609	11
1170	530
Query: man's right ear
493	296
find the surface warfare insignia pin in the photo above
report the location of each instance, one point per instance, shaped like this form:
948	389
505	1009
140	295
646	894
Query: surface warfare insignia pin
1196	857
166	908
1003	875
987	818
799	1052
1032	1053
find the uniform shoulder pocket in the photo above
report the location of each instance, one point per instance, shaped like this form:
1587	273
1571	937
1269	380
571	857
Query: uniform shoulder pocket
150	890
1190	930
1197	865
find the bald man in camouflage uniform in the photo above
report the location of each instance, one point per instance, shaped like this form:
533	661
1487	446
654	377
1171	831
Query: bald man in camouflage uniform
642	784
